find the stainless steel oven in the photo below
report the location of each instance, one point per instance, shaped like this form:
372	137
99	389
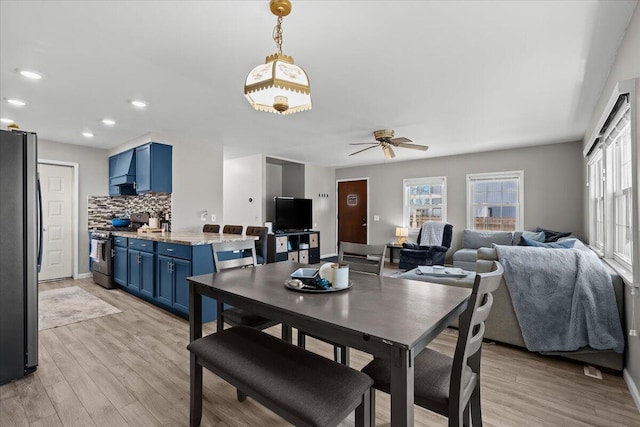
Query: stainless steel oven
102	258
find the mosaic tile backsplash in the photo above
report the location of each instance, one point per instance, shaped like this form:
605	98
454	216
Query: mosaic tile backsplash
102	208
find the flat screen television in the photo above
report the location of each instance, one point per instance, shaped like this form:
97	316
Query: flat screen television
292	214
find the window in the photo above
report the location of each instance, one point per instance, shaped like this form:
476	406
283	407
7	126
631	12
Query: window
610	182
495	200
425	199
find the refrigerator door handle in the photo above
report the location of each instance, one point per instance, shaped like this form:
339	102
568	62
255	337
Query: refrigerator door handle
40	225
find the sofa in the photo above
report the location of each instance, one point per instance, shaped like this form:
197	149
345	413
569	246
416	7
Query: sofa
473	240
502	325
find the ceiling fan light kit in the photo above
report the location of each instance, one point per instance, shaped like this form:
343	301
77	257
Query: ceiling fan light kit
278	86
386	141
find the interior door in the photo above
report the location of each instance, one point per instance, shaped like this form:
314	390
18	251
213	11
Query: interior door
57	212
352	211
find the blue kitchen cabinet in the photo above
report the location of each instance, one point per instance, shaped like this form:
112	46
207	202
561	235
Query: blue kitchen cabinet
133	276
153	168
181	270
120	265
140	278
120	260
165	280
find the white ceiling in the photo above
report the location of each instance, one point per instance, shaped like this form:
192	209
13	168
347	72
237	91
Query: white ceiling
459	76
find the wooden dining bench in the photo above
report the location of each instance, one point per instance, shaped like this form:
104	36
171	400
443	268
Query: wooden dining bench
302	387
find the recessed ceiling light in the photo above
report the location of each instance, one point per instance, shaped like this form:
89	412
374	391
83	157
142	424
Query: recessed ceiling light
139	104
5	120
33	75
88	134
16	102
108	122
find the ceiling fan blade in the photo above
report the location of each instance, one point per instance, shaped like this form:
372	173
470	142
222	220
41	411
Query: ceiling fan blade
364	149
388	151
413	146
363	143
396	141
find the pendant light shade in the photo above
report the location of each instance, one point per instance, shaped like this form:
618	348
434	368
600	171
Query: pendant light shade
278	86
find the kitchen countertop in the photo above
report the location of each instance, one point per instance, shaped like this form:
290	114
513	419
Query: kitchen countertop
184	237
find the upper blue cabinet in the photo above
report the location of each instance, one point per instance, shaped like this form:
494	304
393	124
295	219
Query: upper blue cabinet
153	168
141	170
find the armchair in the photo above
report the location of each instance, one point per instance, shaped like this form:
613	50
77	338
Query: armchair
415	254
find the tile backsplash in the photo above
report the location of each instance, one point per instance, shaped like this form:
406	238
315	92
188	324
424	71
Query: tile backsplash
102	208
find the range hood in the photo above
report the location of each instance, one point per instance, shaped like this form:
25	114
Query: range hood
123	169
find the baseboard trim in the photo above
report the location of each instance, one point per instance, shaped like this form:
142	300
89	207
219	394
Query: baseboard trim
84	276
328	255
633	387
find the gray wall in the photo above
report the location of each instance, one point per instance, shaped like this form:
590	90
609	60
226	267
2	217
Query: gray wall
93	172
320	181
553	187
626	66
293	180
273	188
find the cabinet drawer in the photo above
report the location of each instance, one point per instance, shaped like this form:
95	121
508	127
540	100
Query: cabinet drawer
281	244
174	250
313	240
293	256
120	241
141	245
303	257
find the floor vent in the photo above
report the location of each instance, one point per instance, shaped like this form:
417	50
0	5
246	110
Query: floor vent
592	371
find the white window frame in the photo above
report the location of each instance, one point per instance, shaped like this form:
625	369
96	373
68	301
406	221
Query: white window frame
606	245
472	178
409	182
596	195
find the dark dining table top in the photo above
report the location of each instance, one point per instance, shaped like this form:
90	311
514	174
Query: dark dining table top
399	312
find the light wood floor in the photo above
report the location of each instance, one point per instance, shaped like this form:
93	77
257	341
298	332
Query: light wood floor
132	369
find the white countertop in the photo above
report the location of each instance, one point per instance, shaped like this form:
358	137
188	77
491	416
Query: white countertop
185	237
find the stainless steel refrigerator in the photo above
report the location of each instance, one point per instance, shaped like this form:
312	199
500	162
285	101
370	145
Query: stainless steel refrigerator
20	253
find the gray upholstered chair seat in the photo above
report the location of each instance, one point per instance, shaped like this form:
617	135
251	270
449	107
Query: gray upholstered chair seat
310	389
432	373
238	316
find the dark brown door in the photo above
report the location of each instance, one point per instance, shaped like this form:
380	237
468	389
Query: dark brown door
352	211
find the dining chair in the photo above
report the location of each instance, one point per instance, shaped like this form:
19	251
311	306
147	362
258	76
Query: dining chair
232	229
236	316
261	243
211	228
450	386
361	258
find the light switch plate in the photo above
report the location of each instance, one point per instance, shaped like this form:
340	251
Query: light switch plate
213	217
376	218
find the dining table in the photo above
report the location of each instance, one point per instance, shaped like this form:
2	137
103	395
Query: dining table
387	317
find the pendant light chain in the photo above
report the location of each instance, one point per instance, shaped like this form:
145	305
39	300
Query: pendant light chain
277	34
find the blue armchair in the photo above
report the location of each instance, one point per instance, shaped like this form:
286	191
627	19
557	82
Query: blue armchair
414	254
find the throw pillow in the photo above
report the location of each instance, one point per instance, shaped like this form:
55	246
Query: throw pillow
553	236
565	244
531	235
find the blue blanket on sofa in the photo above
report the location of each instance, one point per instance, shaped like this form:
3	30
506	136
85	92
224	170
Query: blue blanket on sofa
563	298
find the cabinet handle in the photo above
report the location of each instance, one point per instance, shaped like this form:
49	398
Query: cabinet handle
143	245
134	185
139	259
170	250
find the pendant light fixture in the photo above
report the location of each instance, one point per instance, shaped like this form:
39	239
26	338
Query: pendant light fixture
278	86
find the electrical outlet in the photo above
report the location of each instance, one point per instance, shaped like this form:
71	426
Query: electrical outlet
213	217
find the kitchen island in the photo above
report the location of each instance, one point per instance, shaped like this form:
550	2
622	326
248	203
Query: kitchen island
155	266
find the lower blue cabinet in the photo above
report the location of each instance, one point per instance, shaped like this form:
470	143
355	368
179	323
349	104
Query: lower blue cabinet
120	265
140	277
173	288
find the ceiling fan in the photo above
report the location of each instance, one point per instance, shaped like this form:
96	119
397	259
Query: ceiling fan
387	141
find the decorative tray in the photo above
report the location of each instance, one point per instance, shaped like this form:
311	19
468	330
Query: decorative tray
296	285
456	273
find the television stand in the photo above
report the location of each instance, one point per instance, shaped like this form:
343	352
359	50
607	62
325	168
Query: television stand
298	246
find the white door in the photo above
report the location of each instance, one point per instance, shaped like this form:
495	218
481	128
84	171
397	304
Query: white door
56	183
